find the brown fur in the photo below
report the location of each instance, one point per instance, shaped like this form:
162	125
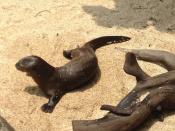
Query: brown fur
82	68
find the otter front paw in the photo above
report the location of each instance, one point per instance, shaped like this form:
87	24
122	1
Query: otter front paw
67	54
46	108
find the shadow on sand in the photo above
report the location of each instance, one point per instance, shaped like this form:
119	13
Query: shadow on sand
34	90
137	14
4	125
153	119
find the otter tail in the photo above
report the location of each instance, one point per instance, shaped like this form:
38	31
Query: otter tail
106	40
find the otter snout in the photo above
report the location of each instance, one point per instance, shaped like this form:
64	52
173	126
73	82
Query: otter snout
18	66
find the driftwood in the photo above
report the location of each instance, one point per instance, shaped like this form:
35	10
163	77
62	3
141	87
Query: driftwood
128	123
163	58
162	95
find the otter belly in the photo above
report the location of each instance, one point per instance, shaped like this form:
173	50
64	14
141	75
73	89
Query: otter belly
78	74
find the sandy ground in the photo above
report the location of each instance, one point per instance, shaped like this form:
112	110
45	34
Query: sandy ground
46	27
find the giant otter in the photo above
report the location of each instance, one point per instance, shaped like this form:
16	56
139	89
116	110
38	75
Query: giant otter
82	68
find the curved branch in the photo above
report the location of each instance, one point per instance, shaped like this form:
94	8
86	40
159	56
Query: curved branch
132	67
131	122
127	105
144	81
159	57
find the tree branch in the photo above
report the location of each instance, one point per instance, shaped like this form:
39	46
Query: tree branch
144	81
128	123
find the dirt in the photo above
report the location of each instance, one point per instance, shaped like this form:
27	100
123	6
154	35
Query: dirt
45	28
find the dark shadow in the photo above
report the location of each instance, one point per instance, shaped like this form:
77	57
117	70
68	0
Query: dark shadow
4	125
34	90
152	120
136	14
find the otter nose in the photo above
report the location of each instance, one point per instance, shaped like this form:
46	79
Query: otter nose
17	65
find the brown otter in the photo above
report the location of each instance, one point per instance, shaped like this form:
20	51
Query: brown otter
82	68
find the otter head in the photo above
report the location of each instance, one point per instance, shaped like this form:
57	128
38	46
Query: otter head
28	64
33	65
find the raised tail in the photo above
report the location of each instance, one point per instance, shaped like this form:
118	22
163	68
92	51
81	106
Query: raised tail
106	40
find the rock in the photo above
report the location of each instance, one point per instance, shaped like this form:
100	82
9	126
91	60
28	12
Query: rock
5	126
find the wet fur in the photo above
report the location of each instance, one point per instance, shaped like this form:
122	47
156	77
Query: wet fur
82	68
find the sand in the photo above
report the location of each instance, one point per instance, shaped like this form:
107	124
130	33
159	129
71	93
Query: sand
46	27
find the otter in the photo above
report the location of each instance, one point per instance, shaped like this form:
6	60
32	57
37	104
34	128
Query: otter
56	81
